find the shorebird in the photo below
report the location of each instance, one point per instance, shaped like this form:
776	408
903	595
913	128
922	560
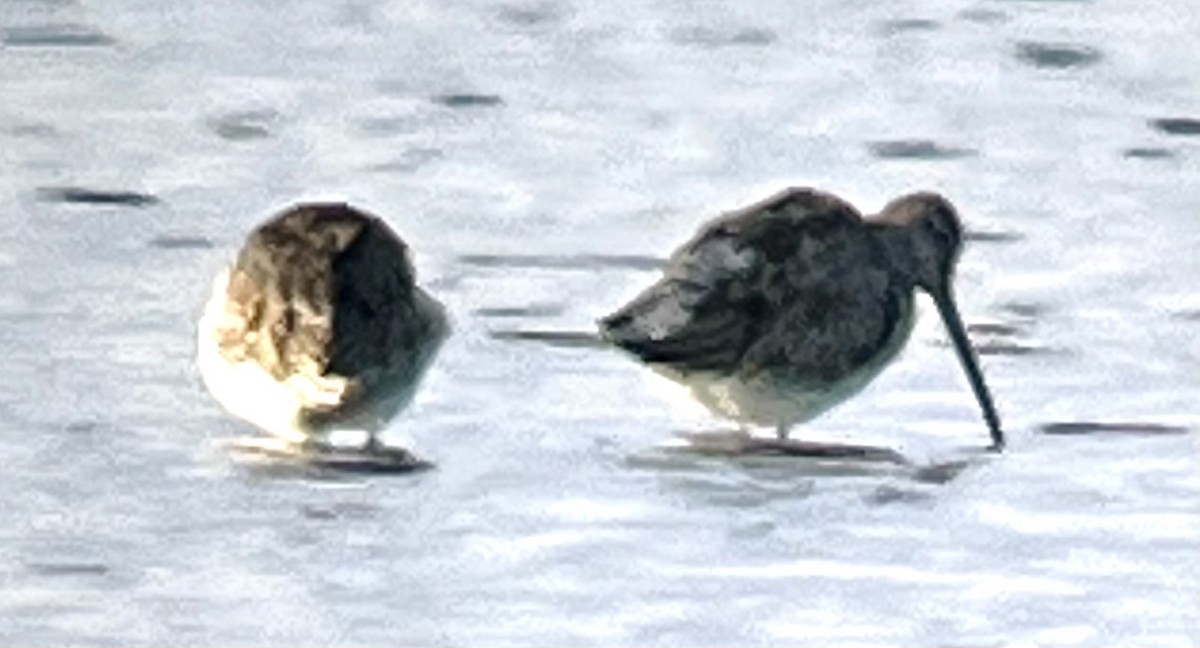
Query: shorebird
773	314
317	327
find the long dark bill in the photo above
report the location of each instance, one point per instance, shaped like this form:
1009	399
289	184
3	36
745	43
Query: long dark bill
966	356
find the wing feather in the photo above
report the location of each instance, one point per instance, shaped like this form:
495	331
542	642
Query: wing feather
724	289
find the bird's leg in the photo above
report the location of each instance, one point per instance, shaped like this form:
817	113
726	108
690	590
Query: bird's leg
372	445
781	432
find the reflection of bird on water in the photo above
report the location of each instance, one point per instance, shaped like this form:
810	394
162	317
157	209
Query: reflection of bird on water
319	326
775	313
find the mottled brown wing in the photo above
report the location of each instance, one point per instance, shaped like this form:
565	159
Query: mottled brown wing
726	287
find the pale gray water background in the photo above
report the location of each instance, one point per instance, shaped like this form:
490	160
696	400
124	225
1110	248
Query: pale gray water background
599	129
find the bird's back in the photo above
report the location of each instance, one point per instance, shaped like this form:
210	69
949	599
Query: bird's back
792	287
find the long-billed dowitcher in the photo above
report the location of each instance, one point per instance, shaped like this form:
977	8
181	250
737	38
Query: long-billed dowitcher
775	313
319	326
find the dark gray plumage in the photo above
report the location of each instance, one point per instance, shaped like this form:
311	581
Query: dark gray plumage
774	313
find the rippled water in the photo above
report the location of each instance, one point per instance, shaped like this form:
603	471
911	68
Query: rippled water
542	157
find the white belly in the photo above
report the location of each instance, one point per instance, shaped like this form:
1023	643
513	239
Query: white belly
776	404
279	407
244	388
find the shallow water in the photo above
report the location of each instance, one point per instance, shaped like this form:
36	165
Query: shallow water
541	157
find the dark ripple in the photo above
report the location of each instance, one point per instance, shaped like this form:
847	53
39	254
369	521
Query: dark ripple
903	25
467	100
81	427
533	310
68	569
940	473
244	125
317	513
1148	153
1177	125
1076	428
1011	348
389	126
987	16
180	243
916	150
894	495
410	160
63	35
993	328
979	236
568	339
573	262
713	38
1057	55
1001	339
33	131
340	510
1024	310
80	195
385	126
527	15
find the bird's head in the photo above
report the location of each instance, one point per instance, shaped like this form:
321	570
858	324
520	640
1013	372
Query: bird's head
932	237
935	236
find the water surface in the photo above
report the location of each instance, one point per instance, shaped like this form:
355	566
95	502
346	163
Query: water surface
541	158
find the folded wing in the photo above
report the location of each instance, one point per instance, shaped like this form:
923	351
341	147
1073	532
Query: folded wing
728	286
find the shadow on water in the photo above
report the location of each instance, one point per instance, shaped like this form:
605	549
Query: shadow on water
761	456
756	479
303	471
262	457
